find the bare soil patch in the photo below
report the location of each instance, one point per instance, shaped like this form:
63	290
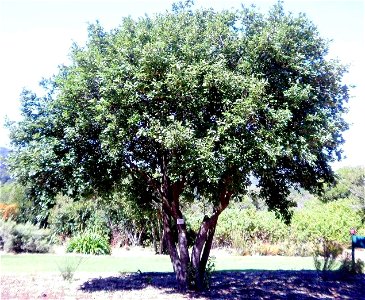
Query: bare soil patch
225	285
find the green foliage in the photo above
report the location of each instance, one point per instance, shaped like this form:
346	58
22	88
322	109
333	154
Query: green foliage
69	218
325	255
209	269
6	237
331	221
240	227
117	216
11	193
23	238
193	101
132	212
212	93
89	243
4	172
347	267
251	231
14	193
350	184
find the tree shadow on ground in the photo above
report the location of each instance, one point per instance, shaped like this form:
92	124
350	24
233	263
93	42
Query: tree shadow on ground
248	284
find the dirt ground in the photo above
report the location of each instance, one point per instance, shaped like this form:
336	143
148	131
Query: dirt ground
225	285
250	284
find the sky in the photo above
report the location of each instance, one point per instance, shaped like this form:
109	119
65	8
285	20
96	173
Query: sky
36	36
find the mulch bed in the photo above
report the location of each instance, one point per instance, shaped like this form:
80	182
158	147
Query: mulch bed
224	285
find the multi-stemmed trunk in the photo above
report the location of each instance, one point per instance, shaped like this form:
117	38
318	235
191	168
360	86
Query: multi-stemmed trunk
189	271
169	192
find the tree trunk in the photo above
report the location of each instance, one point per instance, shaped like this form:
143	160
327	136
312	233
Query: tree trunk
179	253
140	237
154	237
204	240
160	232
205	257
201	250
171	215
179	260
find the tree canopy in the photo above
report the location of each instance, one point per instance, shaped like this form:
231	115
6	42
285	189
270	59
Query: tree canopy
4	174
192	101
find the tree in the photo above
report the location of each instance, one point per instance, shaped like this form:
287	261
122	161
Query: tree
4	175
191	102
349	184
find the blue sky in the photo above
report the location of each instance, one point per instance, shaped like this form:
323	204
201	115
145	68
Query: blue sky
36	36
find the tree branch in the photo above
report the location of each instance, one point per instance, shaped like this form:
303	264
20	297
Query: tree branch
133	168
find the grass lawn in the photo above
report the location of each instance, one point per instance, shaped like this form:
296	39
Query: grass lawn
29	263
34	263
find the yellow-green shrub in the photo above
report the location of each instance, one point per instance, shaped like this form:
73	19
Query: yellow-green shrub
331	221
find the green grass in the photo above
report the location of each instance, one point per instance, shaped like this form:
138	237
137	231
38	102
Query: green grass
29	263
34	263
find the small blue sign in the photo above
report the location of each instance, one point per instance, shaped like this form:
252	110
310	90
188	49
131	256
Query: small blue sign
358	241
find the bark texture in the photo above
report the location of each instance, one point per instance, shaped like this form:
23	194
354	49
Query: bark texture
178	249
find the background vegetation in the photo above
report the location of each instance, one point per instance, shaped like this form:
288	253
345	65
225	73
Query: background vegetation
246	226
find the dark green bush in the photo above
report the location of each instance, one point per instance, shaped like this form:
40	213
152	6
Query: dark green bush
89	243
23	238
69	218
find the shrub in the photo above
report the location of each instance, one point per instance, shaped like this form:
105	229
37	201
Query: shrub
23	238
23	209
89	243
68	218
29	238
325	256
11	192
6	234
251	231
347	267
350	184
8	210
293	247
242	228
331	221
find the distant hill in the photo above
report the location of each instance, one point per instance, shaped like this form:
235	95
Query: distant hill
4	174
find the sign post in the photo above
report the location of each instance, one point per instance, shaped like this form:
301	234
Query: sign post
358	241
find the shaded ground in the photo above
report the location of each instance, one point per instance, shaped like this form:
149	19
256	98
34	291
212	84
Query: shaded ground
249	284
